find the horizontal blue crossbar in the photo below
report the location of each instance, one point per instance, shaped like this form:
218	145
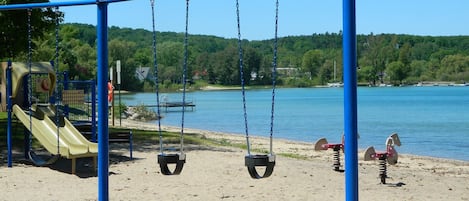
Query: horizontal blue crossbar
55	4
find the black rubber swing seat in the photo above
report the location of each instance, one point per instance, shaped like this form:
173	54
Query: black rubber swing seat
165	159
253	161
40	162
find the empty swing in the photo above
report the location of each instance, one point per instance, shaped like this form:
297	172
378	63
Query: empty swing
164	159
268	160
32	156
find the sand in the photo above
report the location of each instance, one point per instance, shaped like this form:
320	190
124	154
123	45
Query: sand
218	173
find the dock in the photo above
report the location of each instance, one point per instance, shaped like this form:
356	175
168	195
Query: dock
170	104
179	104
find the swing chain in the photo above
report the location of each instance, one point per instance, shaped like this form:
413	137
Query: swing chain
155	66
30	91
274	75
56	66
241	75
57	23
184	77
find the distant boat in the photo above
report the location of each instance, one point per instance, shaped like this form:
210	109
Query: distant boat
335	84
462	85
384	85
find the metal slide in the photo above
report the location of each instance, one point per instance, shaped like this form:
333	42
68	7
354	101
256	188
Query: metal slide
69	142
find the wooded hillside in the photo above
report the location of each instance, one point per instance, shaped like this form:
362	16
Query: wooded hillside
302	60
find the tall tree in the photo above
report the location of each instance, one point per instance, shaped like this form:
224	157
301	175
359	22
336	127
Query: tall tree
405	54
170	58
312	62
124	51
252	62
226	67
14	27
396	71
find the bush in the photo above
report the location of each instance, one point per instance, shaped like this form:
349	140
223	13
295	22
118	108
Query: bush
141	113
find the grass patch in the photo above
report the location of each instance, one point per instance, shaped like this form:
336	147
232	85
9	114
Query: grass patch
139	136
292	155
168	137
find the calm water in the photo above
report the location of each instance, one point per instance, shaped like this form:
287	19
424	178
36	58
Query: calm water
431	121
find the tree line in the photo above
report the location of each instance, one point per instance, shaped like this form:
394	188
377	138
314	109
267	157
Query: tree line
303	61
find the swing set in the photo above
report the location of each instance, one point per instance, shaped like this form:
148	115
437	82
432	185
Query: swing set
251	161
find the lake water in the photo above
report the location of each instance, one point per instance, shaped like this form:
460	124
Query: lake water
430	121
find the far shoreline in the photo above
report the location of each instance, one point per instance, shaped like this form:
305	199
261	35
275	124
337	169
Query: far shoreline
359	85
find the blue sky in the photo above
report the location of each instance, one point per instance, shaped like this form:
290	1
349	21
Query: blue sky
296	17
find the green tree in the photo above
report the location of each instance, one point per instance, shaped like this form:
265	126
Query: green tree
252	65
417	70
377	52
124	51
144	57
405	54
14	28
455	67
367	74
170	53
45	49
226	67
86	61
326	72
312	62
396	71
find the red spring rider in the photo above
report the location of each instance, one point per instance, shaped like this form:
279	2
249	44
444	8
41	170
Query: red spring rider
389	156
322	144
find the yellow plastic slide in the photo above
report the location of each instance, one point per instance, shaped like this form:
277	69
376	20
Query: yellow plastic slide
71	133
71	143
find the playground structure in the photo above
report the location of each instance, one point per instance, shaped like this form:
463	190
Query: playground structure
57	137
389	156
43	73
102	73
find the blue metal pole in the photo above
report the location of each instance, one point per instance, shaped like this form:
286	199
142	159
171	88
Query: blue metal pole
55	4
103	138
8	98
350	100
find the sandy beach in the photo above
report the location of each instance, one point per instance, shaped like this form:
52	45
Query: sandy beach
218	173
